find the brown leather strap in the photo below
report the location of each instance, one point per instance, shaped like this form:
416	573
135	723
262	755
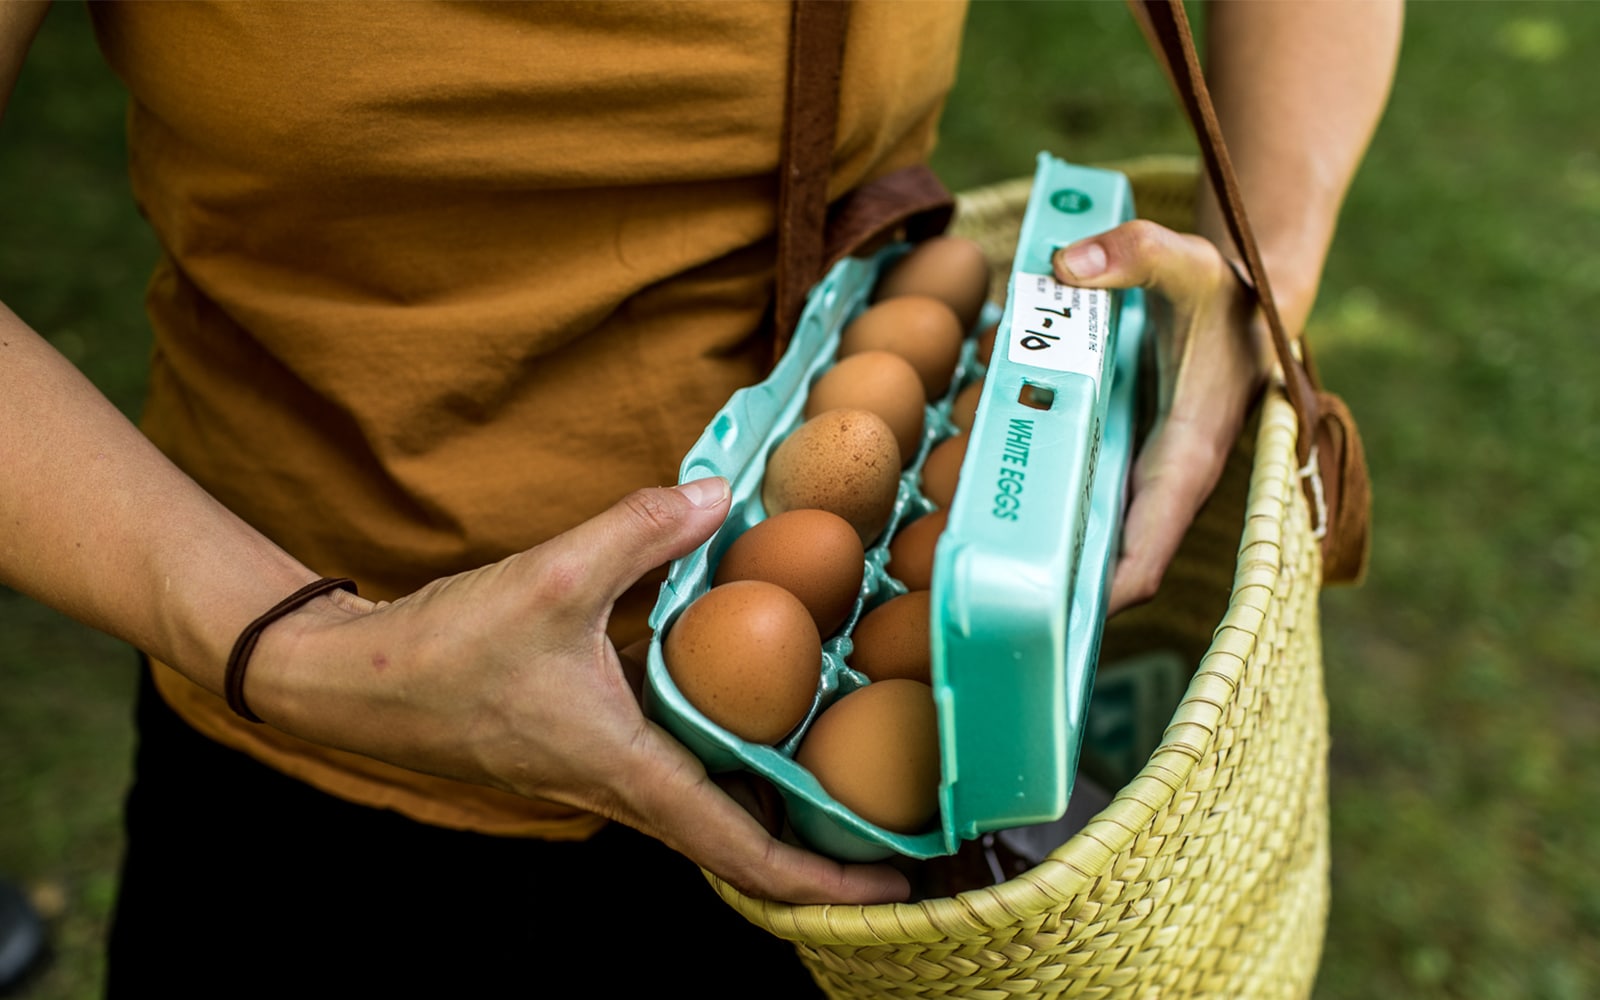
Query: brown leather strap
1175	43
239	659
909	202
816	58
1333	461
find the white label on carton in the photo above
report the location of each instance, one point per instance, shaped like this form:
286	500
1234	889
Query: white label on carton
1058	327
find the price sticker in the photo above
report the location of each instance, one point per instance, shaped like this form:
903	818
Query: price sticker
1057	326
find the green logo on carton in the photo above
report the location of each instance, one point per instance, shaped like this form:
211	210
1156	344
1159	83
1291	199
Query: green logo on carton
1070	201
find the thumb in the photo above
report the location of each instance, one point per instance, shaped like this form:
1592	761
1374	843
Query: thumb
1144	255
608	553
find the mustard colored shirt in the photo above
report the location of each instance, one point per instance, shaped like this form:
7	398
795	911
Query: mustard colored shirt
442	280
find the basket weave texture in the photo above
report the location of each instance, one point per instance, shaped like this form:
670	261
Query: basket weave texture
1207	875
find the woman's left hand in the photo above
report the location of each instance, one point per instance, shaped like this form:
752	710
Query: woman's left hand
1211	361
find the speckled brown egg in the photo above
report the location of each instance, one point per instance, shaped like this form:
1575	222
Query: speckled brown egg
942	468
964	408
882	382
912	550
814	555
920	329
892	639
747	655
842	461
876	751
949	268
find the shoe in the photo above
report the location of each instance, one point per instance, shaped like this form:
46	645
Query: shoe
22	940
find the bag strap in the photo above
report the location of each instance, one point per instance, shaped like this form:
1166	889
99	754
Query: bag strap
1333	462
1175	43
811	237
811	112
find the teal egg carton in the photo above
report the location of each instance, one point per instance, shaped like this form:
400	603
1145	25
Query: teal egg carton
1022	570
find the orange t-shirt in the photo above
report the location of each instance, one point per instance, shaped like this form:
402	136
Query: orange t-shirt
441	281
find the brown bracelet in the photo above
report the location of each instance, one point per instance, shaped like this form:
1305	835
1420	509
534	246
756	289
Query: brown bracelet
239	659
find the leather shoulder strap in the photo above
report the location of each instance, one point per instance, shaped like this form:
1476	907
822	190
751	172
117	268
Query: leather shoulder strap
816	59
812	235
1168	25
1333	461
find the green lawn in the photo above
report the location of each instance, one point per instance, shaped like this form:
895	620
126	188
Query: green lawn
1456	318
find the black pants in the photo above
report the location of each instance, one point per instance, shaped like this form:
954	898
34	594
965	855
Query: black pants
240	882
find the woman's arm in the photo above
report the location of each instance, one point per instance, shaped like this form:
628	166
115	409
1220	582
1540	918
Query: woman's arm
98	524
1298	89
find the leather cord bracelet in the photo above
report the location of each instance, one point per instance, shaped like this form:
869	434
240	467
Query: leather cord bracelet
239	659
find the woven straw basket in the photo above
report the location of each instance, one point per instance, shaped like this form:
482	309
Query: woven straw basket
1207	876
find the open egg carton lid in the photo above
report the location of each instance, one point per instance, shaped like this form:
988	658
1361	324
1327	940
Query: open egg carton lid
1022	569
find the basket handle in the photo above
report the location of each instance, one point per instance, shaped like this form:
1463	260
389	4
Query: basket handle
1333	462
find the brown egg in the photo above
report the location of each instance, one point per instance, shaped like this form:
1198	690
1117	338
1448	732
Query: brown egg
922	330
942	468
911	553
948	268
814	555
986	342
892	639
843	461
882	382
876	751
748	656
964	408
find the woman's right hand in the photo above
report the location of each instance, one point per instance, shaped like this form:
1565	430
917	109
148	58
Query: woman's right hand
504	676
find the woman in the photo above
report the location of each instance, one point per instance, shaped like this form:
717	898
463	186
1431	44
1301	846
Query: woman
440	284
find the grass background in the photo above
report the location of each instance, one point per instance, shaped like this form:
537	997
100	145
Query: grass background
1456	318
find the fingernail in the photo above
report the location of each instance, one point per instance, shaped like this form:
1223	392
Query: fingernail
705	493
1083	260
